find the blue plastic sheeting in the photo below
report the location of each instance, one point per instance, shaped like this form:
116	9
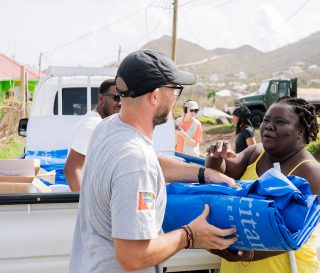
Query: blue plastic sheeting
51	160
272	213
190	158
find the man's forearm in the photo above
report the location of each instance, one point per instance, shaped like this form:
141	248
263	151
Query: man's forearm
73	178
73	169
139	254
174	170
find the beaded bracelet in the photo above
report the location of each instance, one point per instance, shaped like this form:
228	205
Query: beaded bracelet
189	233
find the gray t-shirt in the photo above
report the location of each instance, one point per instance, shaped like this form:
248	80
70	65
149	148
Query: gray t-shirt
122	196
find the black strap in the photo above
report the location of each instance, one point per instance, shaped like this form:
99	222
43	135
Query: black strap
201	177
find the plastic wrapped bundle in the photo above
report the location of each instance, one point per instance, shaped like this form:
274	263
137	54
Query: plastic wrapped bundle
51	160
274	212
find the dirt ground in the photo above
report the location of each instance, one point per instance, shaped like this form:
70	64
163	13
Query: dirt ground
208	138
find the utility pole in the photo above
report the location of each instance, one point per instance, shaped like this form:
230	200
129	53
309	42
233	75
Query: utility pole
40	62
174	30
23	90
119	53
26	81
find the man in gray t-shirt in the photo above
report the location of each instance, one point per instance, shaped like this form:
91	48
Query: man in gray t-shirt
123	194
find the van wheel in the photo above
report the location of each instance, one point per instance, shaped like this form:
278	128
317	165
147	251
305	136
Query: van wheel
256	117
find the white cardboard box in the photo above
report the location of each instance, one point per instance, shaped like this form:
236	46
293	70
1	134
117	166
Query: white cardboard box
23	176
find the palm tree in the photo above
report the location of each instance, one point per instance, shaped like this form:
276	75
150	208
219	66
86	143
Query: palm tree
212	94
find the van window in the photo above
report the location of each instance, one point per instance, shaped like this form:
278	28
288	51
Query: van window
74	100
94	97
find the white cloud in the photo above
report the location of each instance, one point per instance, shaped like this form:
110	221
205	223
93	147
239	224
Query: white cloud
270	29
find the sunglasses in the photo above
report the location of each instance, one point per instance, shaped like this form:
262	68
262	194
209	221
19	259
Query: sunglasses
194	110
115	97
177	89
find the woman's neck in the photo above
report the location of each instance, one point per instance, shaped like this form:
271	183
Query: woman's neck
187	118
286	157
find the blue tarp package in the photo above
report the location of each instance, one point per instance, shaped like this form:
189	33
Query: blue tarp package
51	160
274	212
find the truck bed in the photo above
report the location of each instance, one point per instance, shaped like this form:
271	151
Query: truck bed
37	231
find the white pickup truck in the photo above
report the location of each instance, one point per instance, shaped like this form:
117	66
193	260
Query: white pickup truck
36	229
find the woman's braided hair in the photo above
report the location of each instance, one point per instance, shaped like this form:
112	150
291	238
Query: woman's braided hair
307	116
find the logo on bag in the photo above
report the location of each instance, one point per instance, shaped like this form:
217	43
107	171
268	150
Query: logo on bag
245	211
146	201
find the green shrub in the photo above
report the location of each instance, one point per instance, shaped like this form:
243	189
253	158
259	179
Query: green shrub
207	120
12	148
314	147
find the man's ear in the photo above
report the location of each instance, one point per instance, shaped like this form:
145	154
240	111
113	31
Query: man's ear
154	96
100	97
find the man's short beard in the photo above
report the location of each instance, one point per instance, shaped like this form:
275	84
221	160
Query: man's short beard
160	116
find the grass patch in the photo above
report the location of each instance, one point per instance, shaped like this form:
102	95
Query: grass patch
207	120
13	147
220	129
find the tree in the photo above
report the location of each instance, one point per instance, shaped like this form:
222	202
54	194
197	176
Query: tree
212	95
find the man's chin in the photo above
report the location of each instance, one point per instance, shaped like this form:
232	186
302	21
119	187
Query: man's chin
116	110
159	122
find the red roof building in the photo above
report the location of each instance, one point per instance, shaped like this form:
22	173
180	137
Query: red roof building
10	69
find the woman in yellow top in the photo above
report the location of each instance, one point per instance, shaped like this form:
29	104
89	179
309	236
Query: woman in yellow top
288	125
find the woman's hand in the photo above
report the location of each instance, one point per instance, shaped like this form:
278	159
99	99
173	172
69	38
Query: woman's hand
234	255
221	149
181	133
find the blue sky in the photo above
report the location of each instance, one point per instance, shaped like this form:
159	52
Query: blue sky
89	32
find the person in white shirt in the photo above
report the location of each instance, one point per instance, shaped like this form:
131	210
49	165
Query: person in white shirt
123	194
108	104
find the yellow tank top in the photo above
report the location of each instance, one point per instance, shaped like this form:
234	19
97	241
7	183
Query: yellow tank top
306	257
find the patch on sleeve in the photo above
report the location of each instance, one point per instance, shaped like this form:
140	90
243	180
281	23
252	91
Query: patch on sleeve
146	201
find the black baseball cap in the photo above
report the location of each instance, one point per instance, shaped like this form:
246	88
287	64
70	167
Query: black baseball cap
145	70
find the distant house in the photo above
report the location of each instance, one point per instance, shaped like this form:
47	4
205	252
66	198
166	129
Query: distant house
313	67
10	71
253	85
313	82
300	63
214	78
242	75
294	70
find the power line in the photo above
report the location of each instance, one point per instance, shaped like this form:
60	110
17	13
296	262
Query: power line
285	21
146	23
98	30
222	4
187	3
189	26
106	26
130	47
